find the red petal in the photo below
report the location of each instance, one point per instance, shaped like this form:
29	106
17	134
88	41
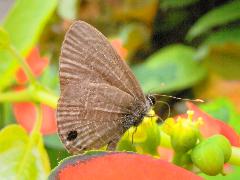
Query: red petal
109	166
118	46
165	153
213	126
25	114
36	63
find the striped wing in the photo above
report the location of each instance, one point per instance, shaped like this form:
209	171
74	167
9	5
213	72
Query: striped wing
86	54
93	111
97	87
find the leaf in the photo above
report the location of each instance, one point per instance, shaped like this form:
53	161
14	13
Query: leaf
169	69
24	25
221	49
216	87
221	15
49	78
4	38
227	56
227	35
36	63
53	141
23	156
143	11
134	36
119	165
166	4
56	155
67	9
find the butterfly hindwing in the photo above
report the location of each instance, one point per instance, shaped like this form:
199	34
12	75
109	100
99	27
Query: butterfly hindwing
95	111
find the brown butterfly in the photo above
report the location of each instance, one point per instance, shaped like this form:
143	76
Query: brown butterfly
100	97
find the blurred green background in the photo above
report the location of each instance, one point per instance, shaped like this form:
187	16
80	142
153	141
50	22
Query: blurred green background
185	48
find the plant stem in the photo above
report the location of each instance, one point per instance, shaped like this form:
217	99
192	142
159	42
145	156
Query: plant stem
165	140
30	94
235	157
46	98
23	64
177	158
16	96
33	141
38	122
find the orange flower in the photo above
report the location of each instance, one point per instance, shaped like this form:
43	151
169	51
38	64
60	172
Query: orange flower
25	112
106	166
118	46
36	63
26	115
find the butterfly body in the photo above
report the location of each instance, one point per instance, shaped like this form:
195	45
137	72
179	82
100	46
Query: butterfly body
100	97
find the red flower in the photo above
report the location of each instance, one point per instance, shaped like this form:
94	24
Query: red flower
26	115
25	112
213	126
118	46
165	153
36	63
108	166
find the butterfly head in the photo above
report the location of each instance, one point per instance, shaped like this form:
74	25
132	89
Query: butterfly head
151	99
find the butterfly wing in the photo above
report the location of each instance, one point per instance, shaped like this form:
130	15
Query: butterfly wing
96	89
86	53
92	110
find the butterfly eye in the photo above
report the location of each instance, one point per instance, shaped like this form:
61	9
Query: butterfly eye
72	135
151	99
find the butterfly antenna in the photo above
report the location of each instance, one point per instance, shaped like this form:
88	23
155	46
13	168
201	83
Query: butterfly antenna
178	98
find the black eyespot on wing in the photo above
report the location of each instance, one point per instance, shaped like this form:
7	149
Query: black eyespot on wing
72	135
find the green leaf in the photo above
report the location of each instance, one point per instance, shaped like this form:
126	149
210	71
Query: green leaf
6	114
67	9
23	156
4	38
227	35
56	155
169	69
165	4
53	141
217	39
221	49
221	15
134	36
24	25
49	78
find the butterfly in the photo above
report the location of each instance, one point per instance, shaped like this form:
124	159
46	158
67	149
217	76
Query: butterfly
100	97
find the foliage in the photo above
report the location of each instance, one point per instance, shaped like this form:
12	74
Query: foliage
186	48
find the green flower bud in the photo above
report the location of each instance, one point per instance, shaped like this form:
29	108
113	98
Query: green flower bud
184	138
224	145
208	157
184	134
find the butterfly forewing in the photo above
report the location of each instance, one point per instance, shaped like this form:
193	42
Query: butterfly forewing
97	87
86	51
